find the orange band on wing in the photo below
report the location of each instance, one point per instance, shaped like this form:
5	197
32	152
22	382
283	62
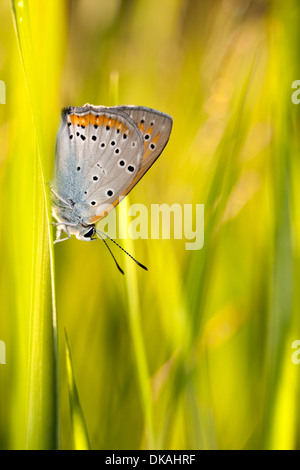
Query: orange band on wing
149	130
156	138
148	151
93	119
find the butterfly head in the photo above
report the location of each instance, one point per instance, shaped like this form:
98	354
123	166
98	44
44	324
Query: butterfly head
85	233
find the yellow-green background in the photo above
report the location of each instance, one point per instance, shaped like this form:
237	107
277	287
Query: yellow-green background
196	353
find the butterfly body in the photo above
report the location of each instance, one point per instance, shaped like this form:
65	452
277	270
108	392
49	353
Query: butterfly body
101	153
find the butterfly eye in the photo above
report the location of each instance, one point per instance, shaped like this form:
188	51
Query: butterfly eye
89	233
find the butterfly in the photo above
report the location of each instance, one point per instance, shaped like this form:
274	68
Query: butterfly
101	154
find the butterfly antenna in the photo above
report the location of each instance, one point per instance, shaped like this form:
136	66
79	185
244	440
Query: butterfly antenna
118	266
112	240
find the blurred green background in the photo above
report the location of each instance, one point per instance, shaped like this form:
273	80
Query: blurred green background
196	353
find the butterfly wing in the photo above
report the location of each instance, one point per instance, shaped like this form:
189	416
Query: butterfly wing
101	153
155	129
98	154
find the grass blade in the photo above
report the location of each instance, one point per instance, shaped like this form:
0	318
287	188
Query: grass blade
79	430
134	312
32	22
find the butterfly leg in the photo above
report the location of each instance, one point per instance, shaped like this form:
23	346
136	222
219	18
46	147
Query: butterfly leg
61	240
59	231
62	223
60	198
